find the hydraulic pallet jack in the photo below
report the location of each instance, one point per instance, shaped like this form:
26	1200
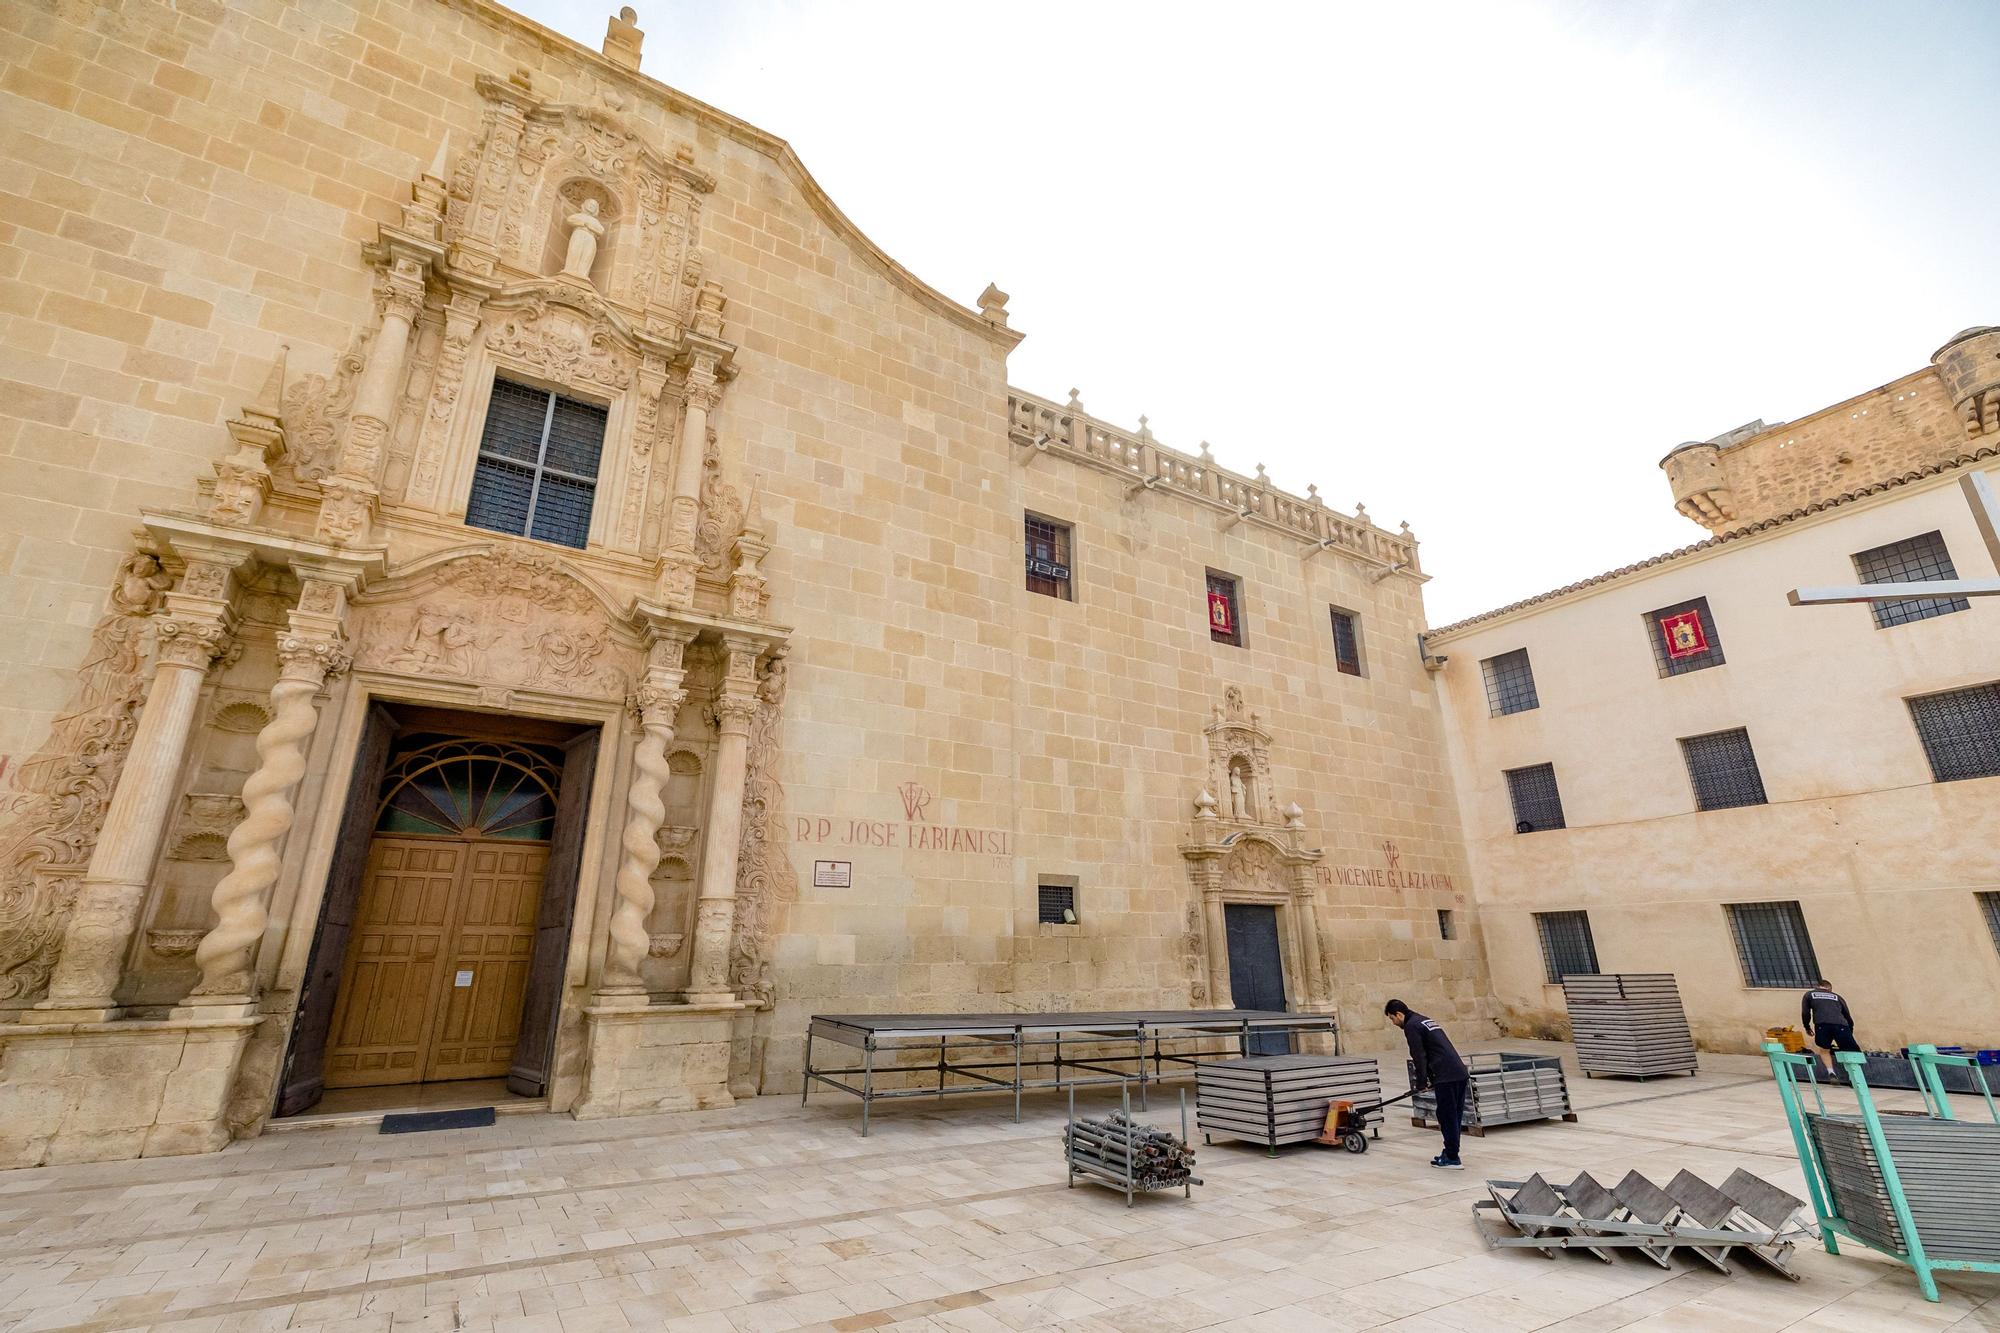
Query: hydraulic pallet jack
1346	1123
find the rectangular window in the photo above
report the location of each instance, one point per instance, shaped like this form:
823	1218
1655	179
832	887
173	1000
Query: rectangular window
1447	928
1723	769
1918	560
1960	730
1055	903
1510	683
1772	944
1567	949
1538	805
1346	641
1989	903
1225	609
537	470
1048	557
1684	638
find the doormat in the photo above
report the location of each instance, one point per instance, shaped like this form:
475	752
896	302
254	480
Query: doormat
418	1122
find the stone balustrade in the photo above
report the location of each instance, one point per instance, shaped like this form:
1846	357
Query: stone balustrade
1039	423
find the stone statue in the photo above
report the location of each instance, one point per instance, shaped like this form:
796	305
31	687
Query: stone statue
584	232
1238	800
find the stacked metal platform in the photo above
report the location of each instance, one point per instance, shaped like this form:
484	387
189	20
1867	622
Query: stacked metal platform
1274	1099
1950	1174
1629	1023
1505	1088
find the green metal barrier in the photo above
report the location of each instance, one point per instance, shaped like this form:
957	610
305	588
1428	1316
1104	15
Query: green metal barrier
1785	1067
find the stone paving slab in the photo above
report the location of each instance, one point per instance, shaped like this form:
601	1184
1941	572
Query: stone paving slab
765	1218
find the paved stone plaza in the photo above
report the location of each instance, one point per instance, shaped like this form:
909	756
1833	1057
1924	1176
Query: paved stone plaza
764	1218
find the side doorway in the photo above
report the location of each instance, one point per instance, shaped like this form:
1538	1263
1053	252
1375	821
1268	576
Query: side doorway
1256	969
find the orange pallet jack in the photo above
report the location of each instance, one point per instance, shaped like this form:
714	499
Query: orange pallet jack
1347	1124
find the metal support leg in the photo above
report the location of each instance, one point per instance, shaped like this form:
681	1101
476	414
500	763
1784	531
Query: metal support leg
941	1042
867	1082
1017	1081
806	1091
1140	1044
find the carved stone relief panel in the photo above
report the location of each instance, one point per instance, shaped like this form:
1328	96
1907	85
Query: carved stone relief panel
497	618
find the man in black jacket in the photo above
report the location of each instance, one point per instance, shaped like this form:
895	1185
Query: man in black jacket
1824	1015
1434	1064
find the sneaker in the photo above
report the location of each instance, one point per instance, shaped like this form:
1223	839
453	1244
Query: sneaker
1444	1163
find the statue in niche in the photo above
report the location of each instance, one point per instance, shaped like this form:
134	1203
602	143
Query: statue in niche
1239	790
585	232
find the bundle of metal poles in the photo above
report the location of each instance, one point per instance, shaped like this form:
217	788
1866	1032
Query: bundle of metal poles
1116	1147
1126	1155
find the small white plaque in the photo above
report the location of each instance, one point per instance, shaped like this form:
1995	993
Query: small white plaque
833	874
463	978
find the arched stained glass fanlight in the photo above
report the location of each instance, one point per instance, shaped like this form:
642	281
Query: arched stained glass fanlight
472	789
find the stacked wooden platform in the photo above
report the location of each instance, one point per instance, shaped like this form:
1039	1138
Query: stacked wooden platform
1950	1173
1275	1099
1629	1023
1505	1088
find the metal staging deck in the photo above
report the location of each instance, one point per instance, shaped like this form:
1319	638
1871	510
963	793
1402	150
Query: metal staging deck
1014	1044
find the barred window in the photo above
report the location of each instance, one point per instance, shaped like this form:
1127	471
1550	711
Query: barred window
1723	769
1537	804
1684	637
1960	730
1048	557
1989	903
1225	609
1510	683
1055	903
1772	944
1447	926
537	470
1346	641
1567	948
1916	560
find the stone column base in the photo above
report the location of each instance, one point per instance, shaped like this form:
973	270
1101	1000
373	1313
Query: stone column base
101	1092
659	1057
1317	1043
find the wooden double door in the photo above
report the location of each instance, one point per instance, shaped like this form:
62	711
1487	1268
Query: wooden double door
439	961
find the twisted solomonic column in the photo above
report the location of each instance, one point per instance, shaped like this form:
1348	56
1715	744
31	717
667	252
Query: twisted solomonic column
224	954
644	813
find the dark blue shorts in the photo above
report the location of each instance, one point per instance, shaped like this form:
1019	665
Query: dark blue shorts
1835	1037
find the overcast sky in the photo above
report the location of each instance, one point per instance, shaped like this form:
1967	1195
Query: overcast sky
1478	265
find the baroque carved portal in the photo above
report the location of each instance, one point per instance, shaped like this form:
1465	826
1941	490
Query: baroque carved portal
1243	848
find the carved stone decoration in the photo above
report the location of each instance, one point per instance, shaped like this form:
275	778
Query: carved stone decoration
496	617
461	325
63	790
559	345
721	515
665	945
314	408
1239	763
226	952
173	943
586	230
202	831
1194	956
644	813
766	884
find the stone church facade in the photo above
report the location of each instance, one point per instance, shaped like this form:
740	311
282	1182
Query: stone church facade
504	580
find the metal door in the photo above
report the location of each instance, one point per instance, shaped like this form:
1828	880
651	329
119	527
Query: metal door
1256	969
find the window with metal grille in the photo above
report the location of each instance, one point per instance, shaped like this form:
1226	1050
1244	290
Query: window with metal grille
1346	641
1048	556
1447	927
1537	804
1225	609
1772	944
1723	769
537	470
1916	560
1510	683
1684	638
1960	730
1567	949
1989	903
1055	904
